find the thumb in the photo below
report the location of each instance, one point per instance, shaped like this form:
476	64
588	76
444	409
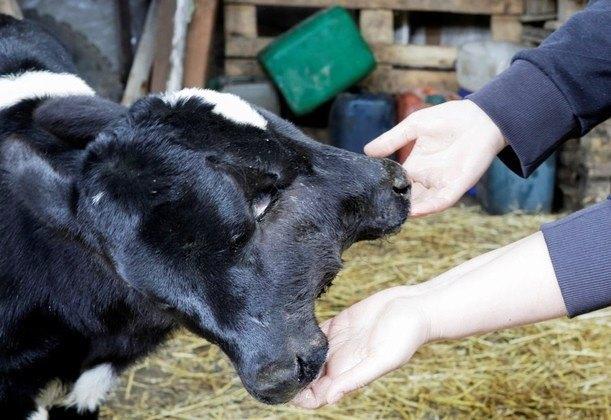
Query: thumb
391	141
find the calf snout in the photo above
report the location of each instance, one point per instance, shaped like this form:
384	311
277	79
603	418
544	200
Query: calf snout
401	186
279	380
390	202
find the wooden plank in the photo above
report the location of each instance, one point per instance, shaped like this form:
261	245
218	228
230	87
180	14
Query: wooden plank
143	59
532	35
240	20
485	7
420	56
539	7
392	80
243	67
181	20
11	8
199	43
567	8
245	47
506	28
163	45
377	26
538	18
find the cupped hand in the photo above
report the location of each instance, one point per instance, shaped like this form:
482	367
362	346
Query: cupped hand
448	146
367	340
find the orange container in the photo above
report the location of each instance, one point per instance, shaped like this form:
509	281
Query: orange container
413	100
407	103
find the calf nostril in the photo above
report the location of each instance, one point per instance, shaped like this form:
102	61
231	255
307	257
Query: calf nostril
401	185
401	190
302	370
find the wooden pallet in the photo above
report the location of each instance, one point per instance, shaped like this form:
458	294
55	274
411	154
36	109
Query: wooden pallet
400	66
584	168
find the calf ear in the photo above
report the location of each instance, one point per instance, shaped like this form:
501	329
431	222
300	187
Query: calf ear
47	194
77	120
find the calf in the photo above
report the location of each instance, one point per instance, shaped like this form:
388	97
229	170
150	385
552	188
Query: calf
117	226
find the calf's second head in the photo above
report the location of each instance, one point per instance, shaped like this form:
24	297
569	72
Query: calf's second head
228	219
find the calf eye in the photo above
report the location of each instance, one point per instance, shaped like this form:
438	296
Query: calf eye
261	203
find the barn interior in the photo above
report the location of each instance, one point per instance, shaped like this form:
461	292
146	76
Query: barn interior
411	54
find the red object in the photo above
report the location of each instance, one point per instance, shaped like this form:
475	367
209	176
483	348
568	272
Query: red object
413	100
407	103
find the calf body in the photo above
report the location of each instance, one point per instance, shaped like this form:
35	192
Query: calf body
192	209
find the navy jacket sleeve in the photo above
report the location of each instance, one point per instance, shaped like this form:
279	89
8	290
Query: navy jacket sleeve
556	91
580	249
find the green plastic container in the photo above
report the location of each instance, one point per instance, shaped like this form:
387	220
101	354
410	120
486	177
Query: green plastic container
317	59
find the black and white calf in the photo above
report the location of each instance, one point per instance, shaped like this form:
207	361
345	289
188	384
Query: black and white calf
192	209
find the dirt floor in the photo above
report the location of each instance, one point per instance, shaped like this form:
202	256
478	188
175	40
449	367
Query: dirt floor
557	369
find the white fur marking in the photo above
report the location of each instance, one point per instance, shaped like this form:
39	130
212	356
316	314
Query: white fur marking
96	198
91	388
52	394
40	414
37	84
225	104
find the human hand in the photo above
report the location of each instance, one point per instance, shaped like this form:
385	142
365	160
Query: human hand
382	332
366	341
449	147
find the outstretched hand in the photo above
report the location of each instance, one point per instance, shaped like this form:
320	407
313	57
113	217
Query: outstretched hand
367	340
448	146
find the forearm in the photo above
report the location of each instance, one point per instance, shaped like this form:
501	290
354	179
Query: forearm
511	286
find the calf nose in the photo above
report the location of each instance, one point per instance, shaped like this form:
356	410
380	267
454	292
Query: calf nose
400	184
390	202
279	381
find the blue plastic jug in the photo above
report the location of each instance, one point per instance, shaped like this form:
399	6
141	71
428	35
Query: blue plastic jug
356	119
501	191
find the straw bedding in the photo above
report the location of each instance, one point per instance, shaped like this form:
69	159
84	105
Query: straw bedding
555	369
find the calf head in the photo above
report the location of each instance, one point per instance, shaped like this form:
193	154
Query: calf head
228	219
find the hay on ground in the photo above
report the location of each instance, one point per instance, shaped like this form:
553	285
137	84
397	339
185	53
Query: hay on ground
554	369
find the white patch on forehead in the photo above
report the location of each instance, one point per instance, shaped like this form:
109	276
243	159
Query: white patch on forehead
91	388
225	104
38	84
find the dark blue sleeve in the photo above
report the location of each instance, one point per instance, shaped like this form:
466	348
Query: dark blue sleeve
556	91
580	249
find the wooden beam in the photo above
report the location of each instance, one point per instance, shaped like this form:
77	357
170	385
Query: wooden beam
486	7
236	46
11	8
199	43
241	20
143	59
421	56
377	26
567	8
391	80
539	7
243	67
506	28
163	45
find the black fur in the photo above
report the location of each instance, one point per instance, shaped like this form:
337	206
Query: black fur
118	226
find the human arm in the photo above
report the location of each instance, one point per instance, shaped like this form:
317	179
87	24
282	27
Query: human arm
511	286
558	90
